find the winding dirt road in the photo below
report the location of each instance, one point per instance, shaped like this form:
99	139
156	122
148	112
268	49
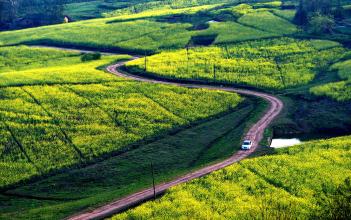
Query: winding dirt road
255	134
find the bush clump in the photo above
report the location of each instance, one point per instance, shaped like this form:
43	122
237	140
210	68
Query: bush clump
90	56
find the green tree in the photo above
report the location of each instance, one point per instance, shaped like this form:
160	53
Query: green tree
301	17
321	24
8	12
338	12
308	8
27	13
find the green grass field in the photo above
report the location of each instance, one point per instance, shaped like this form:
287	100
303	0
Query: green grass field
268	22
307	181
95	8
24	58
273	64
151	31
172	155
340	91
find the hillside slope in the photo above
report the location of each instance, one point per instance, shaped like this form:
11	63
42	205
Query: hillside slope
301	182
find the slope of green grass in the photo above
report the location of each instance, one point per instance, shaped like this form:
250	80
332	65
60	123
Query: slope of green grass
172	155
267	21
59	73
60	116
149	6
95	9
296	183
274	64
340	91
129	35
286	14
84	10
136	33
24	58
232	32
150	31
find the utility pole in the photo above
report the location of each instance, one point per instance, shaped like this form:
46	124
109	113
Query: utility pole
145	62
187	62
187	52
153	180
226	50
214	72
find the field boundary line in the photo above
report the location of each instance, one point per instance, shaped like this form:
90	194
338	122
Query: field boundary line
162	106
269	181
114	121
55	121
20	146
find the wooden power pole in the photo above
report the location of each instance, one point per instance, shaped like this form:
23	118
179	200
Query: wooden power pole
153	180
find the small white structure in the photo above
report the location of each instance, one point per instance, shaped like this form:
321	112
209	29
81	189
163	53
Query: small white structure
66	19
279	143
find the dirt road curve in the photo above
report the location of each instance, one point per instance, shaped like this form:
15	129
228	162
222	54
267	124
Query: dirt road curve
255	134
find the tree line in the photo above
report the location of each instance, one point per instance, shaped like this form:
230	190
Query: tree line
16	14
318	16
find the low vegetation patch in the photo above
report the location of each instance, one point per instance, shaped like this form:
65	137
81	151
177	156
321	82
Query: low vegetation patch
91	56
24	58
340	91
269	22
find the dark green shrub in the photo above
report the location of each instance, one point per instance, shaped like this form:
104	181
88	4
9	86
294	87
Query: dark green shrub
90	56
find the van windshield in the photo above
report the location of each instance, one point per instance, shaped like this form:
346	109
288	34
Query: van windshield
247	142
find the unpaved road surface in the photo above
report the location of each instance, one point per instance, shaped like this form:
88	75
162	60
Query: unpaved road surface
255	134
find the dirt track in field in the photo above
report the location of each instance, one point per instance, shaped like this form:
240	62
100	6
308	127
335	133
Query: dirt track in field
255	134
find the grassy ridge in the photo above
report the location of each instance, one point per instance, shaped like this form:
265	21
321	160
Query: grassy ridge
299	182
153	31
95	8
24	58
268	22
274	64
340	91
